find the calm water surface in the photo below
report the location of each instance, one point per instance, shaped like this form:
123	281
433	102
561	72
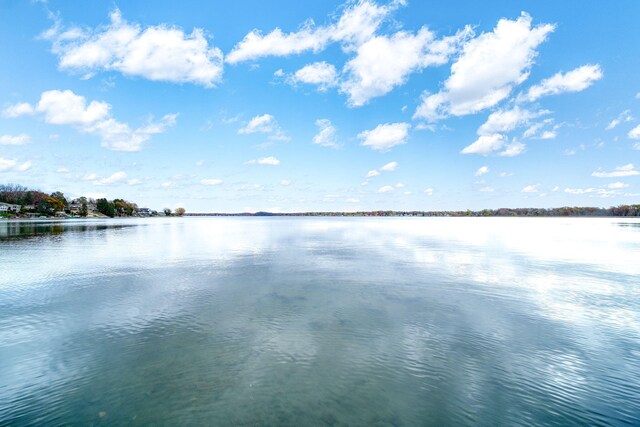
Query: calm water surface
320	321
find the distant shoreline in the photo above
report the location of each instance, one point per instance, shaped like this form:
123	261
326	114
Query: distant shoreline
581	212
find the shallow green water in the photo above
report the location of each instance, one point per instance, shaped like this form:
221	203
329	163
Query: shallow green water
311	321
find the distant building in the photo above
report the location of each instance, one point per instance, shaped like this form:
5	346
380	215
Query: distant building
8	207
147	212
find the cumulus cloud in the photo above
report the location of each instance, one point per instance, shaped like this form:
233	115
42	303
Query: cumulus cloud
531	188
12	165
390	167
358	23
513	149
20	139
428	191
285	182
112	179
66	108
482	170
326	135
572	81
19	109
634	133
372	173
624	117
322	74
508	120
493	144
384	62
487	70
270	161
160	53
265	123
620	171
211	181
385	136
379	62
386	189
617	185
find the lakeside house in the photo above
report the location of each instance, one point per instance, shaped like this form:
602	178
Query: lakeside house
147	212
9	207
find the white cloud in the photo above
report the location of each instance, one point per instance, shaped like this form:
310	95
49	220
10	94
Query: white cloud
549	134
531	188
326	135
372	173
19	109
160	53
399	185
90	177
508	120
211	181
384	62
20	139
264	123
620	171
255	45
514	149
322	74
505	174
13	165
623	117
634	133
62	170
482	170
270	161
428	191
358	23
285	182
167	184
485	145
487	70
200	163
486	190
385	189
66	108
600	192
572	81
385	136
390	167
134	181
617	185
492	144
579	190
114	178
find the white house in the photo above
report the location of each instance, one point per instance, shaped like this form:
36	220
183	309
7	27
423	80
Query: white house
8	207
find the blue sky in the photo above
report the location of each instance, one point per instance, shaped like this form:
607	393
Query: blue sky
298	106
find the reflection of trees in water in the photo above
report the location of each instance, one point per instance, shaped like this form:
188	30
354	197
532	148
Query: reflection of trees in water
26	230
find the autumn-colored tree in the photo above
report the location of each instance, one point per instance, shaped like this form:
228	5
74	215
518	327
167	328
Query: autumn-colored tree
180	211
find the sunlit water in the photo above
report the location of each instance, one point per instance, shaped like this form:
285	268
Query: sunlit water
320	321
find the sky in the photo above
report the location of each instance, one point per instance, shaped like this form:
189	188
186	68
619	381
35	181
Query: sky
293	106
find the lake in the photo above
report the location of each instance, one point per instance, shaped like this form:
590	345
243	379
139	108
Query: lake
320	321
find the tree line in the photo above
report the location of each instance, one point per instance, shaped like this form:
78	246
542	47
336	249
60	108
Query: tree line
39	202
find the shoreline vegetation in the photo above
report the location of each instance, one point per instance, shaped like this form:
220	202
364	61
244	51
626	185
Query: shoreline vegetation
21	202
